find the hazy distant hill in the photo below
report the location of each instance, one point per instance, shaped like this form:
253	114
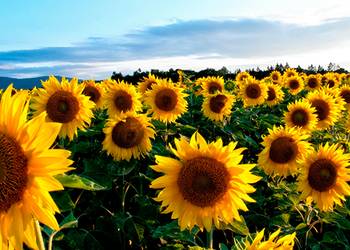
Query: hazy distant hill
24	83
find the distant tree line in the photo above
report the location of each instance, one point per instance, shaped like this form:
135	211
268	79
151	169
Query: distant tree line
224	72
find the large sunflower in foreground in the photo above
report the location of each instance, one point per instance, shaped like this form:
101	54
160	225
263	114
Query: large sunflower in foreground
274	94
207	185
253	93
324	176
64	103
301	115
128	135
166	101
295	84
122	97
147	82
283	149
94	91
217	106
273	243
312	82
27	167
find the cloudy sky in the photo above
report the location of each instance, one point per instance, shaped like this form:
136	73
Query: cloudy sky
91	39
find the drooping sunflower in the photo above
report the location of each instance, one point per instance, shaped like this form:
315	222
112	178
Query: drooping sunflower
167	101
312	82
283	149
213	84
207	185
345	95
94	91
122	97
301	115
295	84
253	93
276	77
242	77
274	94
324	176
64	103
27	167
217	106
128	135
147	82
290	73
326	109
284	243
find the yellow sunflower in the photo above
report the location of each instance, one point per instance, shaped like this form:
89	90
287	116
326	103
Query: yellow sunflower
128	135
283	149
213	84
324	177
345	95
253	93
301	115
326	108
207	185
94	91
167	101
312	82
122	97
27	167
217	106
275	94
284	243
64	103
331	80
276	77
242	77
290	73
295	84
147	82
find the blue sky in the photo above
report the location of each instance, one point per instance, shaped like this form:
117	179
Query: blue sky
91	39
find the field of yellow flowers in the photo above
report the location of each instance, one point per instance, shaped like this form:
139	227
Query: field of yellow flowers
242	163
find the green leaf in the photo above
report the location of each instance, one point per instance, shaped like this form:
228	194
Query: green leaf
75	181
239	227
300	226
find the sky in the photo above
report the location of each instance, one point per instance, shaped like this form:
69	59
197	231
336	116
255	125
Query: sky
90	39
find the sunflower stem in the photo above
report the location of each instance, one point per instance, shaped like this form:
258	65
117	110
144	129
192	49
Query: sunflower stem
39	236
210	238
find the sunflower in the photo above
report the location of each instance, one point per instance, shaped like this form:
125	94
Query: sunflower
167	101
326	108
283	149
295	84
122	97
301	115
312	82
207	185
284	243
128	135
217	106
276	77
274	94
242	77
147	82
213	84
27	167
290	73
332	80
345	95
94	91
324	176
253	93
64	103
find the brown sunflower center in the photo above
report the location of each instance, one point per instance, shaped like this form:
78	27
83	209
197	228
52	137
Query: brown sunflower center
322	108
203	181
324	79
294	84
271	94
128	134
93	93
322	175
213	87
312	83
217	103
166	99
299	117
331	83
275	77
283	150
123	101
62	107
149	85
345	94
253	91
13	172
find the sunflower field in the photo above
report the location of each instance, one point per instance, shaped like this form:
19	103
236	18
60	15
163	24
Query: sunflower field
196	163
